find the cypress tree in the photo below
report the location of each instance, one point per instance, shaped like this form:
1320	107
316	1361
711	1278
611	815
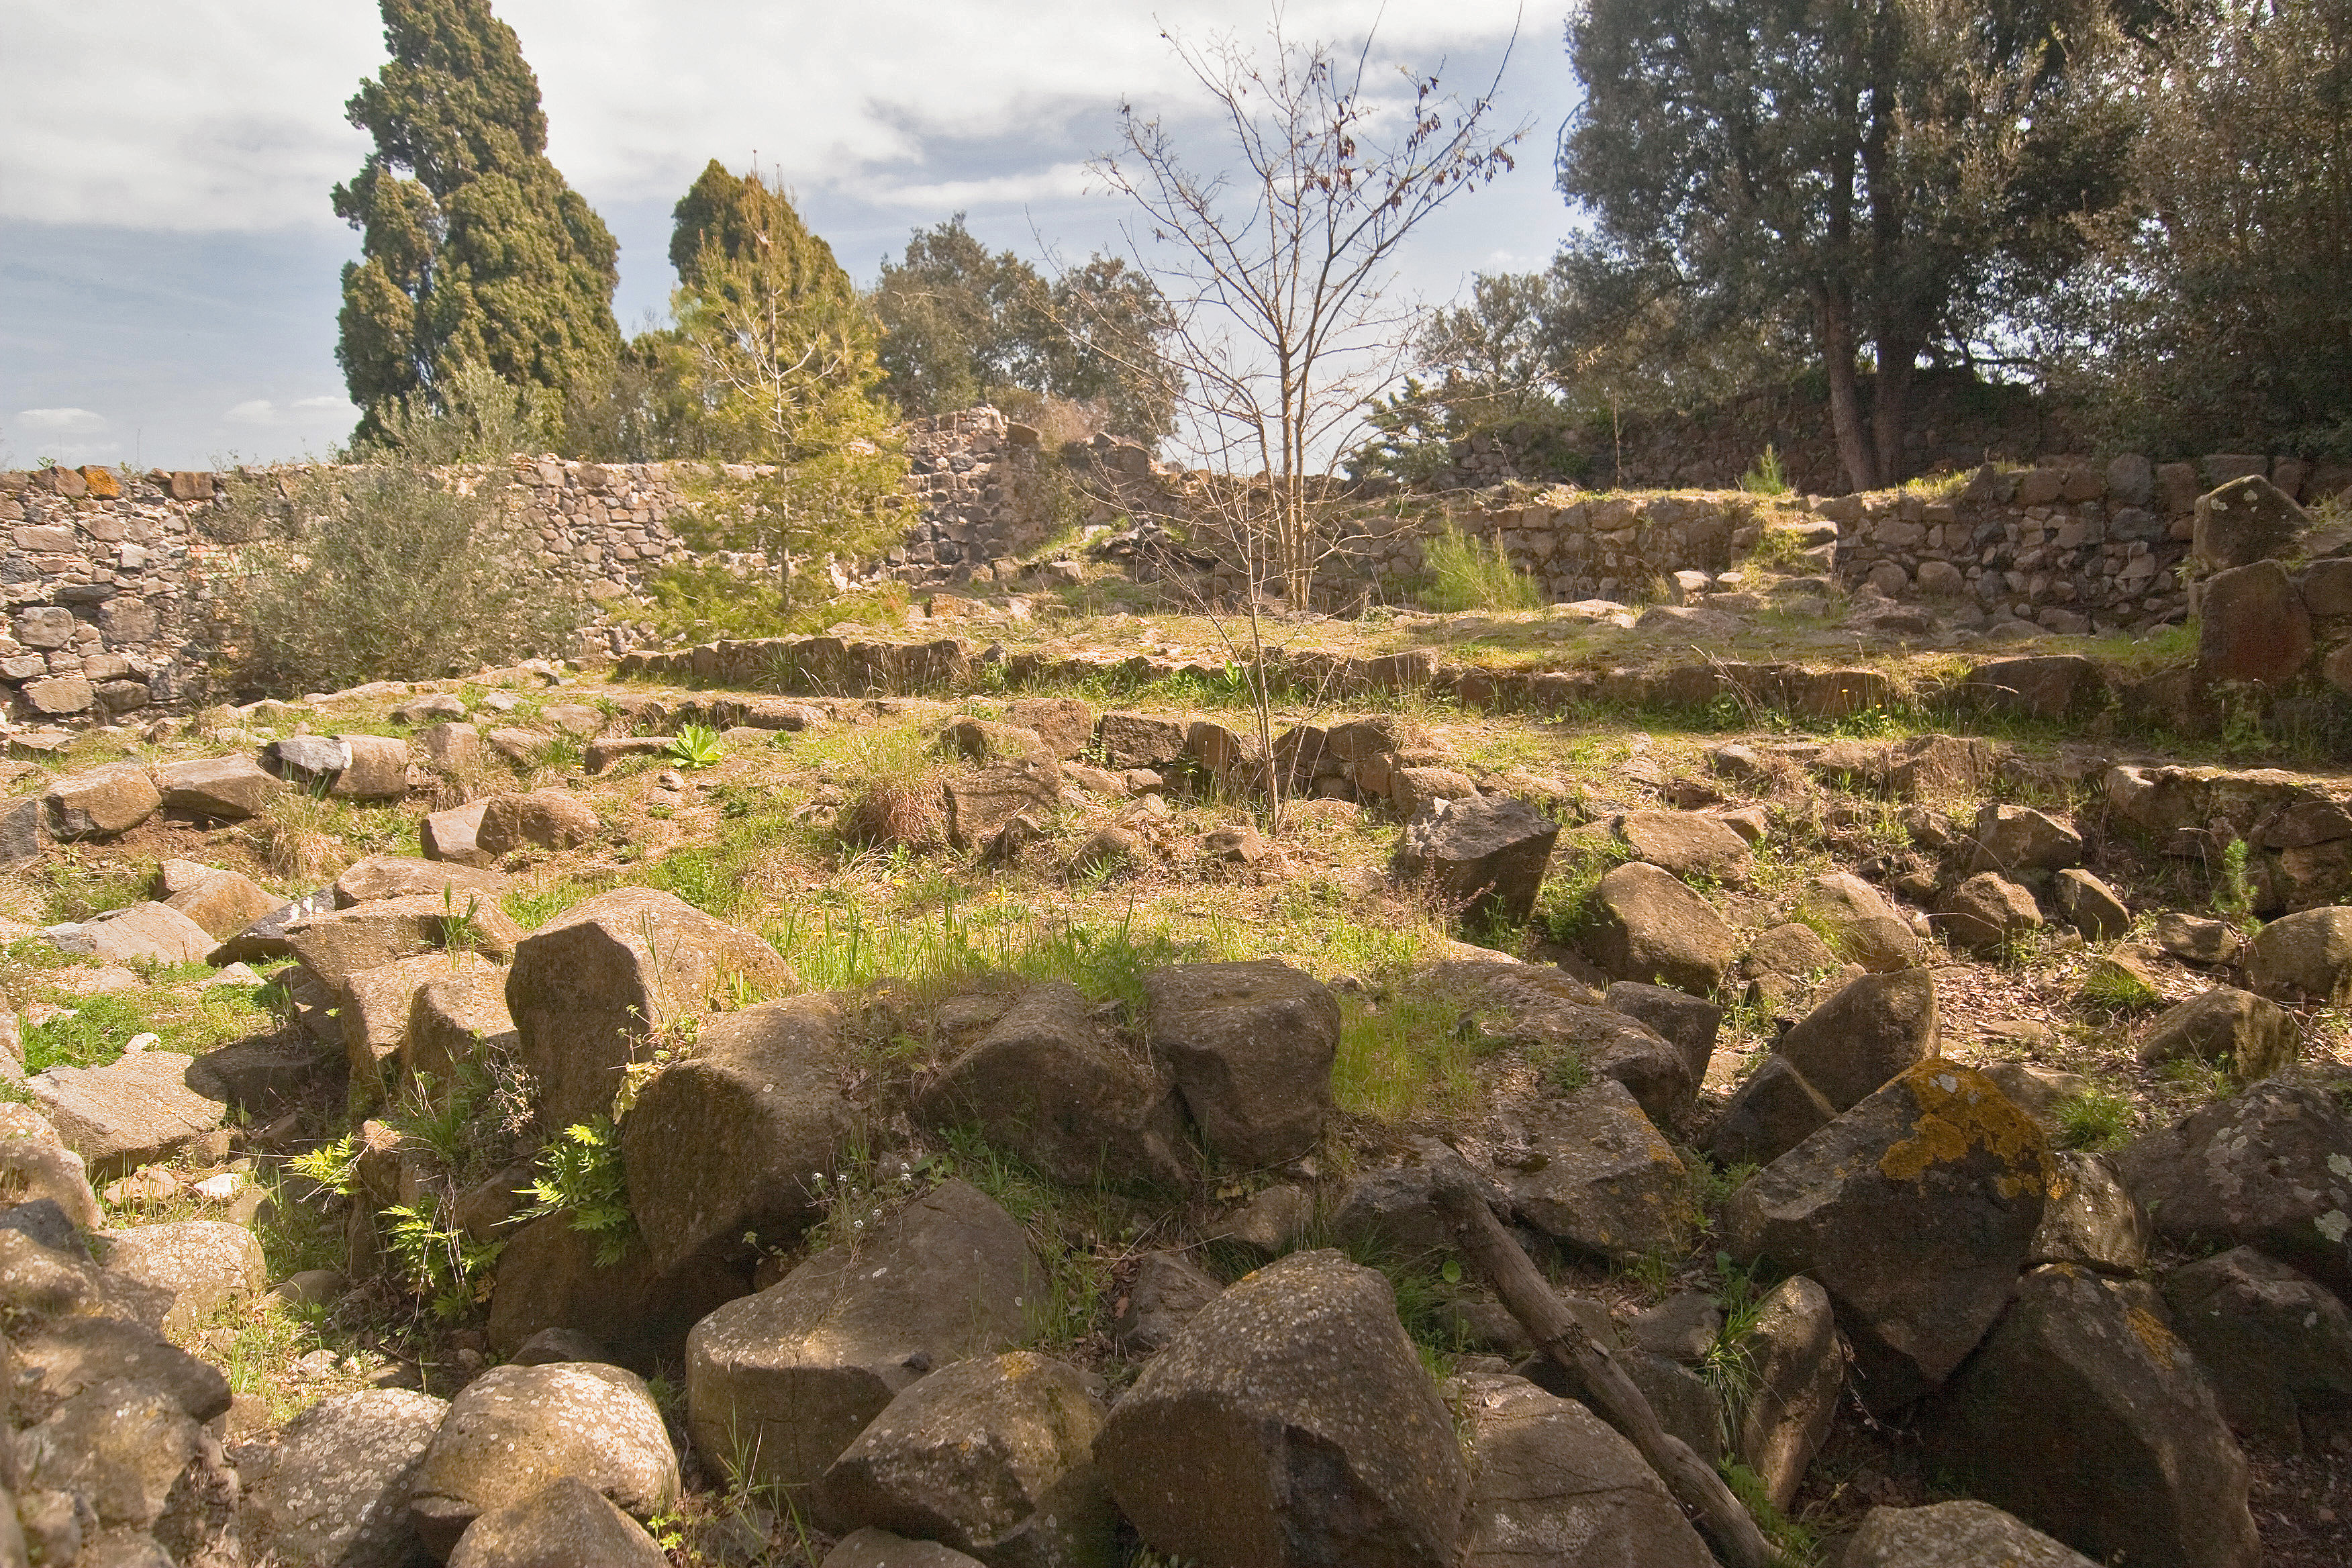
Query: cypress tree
475	251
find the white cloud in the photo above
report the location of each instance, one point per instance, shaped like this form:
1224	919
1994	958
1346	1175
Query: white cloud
253	411
62	421
335	404
308	411
1011	190
228	115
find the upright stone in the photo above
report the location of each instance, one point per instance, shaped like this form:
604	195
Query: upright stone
1250	1045
2251	626
2245	520
1487	853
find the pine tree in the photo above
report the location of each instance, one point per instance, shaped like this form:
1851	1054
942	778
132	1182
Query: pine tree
476	252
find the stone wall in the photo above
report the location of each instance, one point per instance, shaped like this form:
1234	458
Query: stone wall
980	493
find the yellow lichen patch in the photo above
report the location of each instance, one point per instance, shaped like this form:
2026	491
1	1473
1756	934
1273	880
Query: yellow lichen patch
103	485
2154	1335
1959	1109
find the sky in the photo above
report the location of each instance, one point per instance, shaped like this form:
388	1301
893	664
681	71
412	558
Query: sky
169	267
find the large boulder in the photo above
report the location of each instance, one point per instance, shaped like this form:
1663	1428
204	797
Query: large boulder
2270	1168
779	1384
216	789
377	1008
1484	854
132	1111
729	1143
566	1524
121	1446
406	877
2248	1037
2083	1416
1690	1023
1984	914
1964	1534
1867	1031
2274	1343
1250	1045
1551	1483
590	986
515	1429
2252	625
1914	1210
1648	926
1289	1424
102	803
1045	1083
1688	845
55	1360
2012	838
1859	923
1602	1179
2090	906
992	1455
2243	521
2304	957
1795	1363
333	1485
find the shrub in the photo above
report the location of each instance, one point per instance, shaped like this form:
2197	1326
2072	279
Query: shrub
1471	574
378	571
1764	476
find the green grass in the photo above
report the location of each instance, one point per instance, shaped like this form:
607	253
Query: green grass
2094	1120
2110	985
1468	573
1405	1059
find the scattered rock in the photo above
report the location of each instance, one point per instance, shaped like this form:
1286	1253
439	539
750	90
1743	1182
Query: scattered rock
1273	1220
1251	1046
224	903
729	1142
334	1485
1965	1534
2306	956
148	932
2083	1416
1166	1294
2238	1031
1290	1423
1867	1031
1796	1364
2275	1344
569	1524
130	1112
880	1549
1649	927
1599	1177
1131	740
515	1429
2267	1168
1486	855
2243	521
455	836
990	1456
543	819
382	877
1044	1083
1773	1110
1914	1210
336	944
1688	845
1987	913
2012	838
1551	1483
2091	907
1689	1022
121	1446
1681	1328
1861	924
588	987
216	789
779	1384
2196	941
202	1263
979	805
100	804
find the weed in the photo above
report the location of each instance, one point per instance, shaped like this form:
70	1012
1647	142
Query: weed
294	834
2233	895
694	746
562	752
1798	1545
531	908
1765	476
1469	574
1406	1059
2094	1120
446	1268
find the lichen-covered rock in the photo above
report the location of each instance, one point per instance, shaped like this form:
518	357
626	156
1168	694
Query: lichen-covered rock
2085	1416
2013	839
2270	1168
1690	1022
2244	521
1289	1424
1166	1293
1550	1483
780	1382
730	1142
203	1262
333	1485
2091	1218
993	1456
589	986
120	1444
1773	1109
56	1359
1044	1083
569	1524
551	1275
1602	1179
1914	1210
1251	1046
516	1429
224	903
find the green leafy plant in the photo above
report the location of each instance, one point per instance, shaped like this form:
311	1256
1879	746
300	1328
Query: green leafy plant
1764	476
333	1165
2233	894
580	1176
449	1269
694	746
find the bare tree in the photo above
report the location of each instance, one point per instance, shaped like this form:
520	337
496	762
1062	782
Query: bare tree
1279	271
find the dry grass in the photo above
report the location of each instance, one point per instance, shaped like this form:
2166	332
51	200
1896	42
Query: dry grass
294	836
892	812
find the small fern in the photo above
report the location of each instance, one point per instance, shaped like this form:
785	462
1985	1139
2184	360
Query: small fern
334	1166
580	1176
449	1269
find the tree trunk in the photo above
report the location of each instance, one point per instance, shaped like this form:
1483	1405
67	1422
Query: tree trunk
1491	1253
1845	394
1890	408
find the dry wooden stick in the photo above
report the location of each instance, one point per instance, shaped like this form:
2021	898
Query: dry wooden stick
1491	1253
